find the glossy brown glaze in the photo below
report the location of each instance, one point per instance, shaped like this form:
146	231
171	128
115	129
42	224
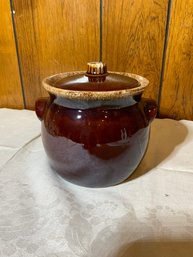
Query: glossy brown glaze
96	147
84	82
95	126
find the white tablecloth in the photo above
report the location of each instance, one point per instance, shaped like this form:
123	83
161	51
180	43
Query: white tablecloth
42	215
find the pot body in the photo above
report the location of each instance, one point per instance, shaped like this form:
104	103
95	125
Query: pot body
95	146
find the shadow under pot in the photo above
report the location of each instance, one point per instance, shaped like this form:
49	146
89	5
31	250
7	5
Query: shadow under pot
95	124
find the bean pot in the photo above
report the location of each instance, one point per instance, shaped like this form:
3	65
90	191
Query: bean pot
95	124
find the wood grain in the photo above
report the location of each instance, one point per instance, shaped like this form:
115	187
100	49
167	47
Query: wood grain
133	38
10	87
177	90
54	36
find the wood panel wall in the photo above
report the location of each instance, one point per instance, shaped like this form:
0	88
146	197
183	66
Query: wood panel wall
143	37
133	38
177	91
10	86
54	36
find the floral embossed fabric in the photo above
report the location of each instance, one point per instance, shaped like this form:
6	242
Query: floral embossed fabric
42	215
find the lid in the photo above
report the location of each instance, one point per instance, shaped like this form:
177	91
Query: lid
95	84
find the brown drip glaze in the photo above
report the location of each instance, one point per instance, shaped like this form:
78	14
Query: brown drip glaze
107	82
95	126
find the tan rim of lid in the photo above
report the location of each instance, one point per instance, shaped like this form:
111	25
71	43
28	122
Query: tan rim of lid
49	82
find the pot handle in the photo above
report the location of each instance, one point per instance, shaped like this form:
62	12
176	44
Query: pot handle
40	107
150	109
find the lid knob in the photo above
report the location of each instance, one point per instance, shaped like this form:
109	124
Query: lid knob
96	68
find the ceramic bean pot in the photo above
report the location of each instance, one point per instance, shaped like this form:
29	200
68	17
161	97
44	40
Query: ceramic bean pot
95	124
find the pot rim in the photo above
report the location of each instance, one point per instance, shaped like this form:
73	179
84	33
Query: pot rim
48	84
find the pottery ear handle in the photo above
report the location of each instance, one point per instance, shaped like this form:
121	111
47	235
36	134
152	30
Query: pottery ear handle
40	107
150	109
